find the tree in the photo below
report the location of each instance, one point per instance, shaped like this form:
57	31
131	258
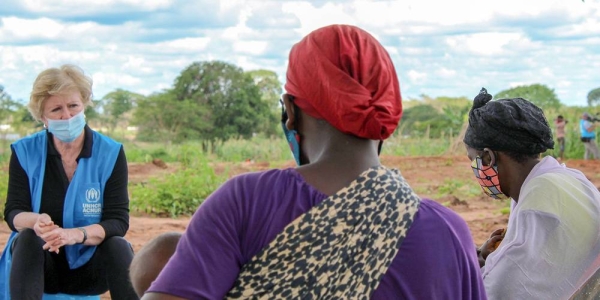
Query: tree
116	104
425	121
440	116
7	108
230	97
538	94
593	97
91	113
161	117
23	123
211	101
268	84
270	89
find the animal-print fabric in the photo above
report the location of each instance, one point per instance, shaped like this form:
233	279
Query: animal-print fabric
340	249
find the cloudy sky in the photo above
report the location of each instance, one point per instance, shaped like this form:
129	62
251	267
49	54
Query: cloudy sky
439	47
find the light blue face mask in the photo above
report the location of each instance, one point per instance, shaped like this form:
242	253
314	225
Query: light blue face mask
67	130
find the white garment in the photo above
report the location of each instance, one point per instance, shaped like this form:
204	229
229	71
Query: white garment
552	243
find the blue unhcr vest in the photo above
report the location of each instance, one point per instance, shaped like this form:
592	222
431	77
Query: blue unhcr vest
84	198
585	133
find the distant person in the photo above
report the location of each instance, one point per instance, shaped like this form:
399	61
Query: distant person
551	246
67	202
559	125
151	259
587	128
340	225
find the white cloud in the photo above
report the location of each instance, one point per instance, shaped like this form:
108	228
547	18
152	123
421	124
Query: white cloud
416	76
250	47
490	43
312	18
546	71
415	51
92	5
126	80
25	28
519	83
137	63
195	44
564	84
446	73
439	48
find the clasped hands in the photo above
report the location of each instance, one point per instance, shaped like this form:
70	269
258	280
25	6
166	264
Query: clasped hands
54	236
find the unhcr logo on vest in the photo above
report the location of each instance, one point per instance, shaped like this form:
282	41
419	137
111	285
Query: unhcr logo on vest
92	195
92	208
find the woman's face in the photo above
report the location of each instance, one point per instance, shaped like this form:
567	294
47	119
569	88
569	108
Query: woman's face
487	172
62	107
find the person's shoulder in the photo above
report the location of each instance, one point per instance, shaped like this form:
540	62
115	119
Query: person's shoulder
32	137
241	193
266	179
104	138
33	141
438	220
435	208
436	212
267	187
553	181
552	189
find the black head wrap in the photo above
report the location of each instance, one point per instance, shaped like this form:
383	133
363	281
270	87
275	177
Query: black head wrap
513	125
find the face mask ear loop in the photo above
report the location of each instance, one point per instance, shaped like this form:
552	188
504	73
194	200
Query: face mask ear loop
491	154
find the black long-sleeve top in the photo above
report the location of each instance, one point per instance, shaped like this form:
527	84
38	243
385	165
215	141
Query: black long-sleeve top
115	211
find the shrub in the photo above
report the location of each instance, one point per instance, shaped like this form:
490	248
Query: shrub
176	194
257	148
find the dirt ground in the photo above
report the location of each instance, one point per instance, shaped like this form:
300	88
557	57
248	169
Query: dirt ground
427	176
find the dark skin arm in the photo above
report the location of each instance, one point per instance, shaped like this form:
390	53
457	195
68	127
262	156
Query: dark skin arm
489	246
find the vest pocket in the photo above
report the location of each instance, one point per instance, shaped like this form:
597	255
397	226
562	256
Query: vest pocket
89	204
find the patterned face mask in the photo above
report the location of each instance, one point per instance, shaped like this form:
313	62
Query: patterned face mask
293	139
488	178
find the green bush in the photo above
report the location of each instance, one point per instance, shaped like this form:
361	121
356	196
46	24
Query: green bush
257	148
176	194
399	146
143	152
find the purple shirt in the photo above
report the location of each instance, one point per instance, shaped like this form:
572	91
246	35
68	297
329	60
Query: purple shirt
437	259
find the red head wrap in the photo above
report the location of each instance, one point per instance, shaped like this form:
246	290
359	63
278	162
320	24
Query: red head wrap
342	74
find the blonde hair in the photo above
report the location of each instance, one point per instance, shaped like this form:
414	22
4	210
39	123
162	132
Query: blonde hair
57	81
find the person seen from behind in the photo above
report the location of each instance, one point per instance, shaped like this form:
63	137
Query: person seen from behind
340	225
151	259
67	202
551	247
587	127
559	125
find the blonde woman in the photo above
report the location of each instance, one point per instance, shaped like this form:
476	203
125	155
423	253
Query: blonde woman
67	202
